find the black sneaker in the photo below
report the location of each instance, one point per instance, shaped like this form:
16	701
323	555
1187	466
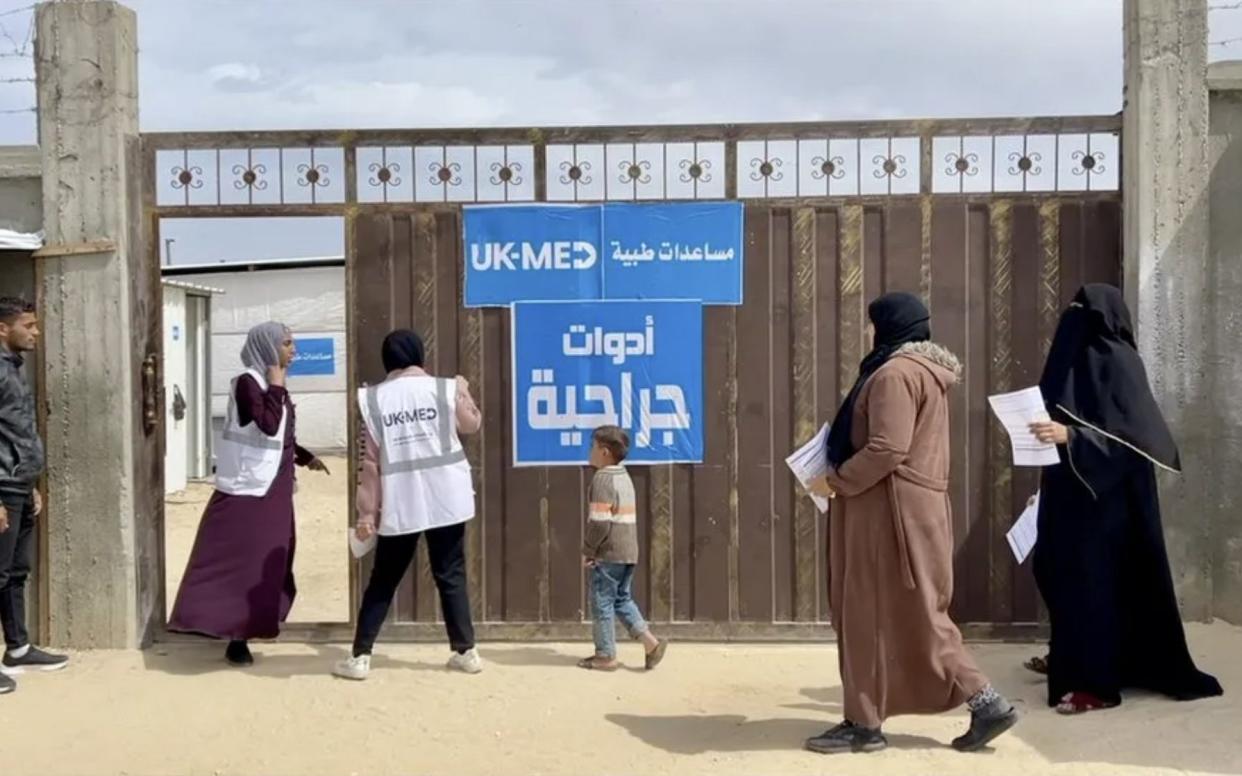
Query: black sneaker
35	659
7	685
238	654
847	737
986	725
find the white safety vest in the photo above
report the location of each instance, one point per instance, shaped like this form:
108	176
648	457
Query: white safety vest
247	460
424	474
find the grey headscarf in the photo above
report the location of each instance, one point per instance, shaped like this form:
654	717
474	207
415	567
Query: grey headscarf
262	348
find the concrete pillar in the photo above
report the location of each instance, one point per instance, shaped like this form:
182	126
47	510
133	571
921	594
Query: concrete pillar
1224	337
1165	183
92	294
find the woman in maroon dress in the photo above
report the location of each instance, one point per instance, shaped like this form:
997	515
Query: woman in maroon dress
238	584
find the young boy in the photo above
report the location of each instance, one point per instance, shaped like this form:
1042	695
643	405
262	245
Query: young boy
610	551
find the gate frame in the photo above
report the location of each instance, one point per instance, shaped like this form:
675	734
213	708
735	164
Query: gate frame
539	138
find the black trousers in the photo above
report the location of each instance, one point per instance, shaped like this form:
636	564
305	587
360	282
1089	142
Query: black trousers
446	548
15	547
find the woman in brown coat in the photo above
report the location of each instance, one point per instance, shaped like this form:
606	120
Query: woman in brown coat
892	543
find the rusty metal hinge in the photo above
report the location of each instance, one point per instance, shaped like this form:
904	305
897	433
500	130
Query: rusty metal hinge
151	393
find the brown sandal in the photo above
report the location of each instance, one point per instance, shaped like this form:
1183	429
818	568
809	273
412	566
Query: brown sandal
596	663
1037	664
654	657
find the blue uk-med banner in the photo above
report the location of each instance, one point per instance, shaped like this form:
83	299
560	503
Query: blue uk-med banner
675	251
581	365
520	252
684	250
314	356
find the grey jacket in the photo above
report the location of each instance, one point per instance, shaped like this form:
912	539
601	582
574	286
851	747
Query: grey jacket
21	449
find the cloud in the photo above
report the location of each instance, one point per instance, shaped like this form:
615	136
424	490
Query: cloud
239	77
393	63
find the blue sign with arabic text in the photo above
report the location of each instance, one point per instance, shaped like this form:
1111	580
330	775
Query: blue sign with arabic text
581	365
516	253
681	250
674	251
315	356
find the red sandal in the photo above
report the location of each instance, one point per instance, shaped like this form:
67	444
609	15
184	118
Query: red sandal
1081	703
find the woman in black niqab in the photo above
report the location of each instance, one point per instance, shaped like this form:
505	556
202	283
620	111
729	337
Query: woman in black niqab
898	319
1100	561
1094	376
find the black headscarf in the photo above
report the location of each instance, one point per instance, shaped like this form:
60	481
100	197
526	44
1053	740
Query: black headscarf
1094	374
402	349
899	319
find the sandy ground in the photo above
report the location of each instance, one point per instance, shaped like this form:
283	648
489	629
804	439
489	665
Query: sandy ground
321	562
719	709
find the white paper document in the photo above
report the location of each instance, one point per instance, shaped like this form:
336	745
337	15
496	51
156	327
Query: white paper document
359	547
1024	532
1016	412
810	462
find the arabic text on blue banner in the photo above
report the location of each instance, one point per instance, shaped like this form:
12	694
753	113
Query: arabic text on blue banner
581	365
520	253
315	356
673	251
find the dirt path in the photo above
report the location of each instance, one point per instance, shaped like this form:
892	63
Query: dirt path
321	563
718	709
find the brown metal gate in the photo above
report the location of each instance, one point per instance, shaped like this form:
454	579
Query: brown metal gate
995	240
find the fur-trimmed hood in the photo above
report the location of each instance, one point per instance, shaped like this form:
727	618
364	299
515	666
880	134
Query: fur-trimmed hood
937	359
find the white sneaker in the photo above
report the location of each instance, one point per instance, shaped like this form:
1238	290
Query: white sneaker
467	662
355	668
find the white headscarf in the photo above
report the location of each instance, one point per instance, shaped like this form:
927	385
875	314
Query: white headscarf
262	348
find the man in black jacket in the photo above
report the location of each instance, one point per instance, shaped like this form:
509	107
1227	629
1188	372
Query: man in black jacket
21	464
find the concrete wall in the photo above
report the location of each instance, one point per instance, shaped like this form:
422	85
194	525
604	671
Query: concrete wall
21	209
1167	280
1224	335
21	189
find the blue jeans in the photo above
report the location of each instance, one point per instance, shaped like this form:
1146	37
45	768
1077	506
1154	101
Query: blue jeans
611	599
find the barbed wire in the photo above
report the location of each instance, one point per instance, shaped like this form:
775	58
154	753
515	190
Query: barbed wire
16	46
1234	6
4	33
21	49
16	11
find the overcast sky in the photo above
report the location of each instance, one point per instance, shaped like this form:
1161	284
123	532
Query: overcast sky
276	64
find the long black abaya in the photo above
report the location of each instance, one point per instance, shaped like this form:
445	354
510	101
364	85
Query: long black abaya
1100	561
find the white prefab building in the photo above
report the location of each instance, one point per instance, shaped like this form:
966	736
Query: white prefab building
187	383
308	296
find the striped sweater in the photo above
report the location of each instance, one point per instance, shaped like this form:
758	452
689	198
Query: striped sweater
612	526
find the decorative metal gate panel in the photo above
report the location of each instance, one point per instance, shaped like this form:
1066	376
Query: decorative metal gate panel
993	222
